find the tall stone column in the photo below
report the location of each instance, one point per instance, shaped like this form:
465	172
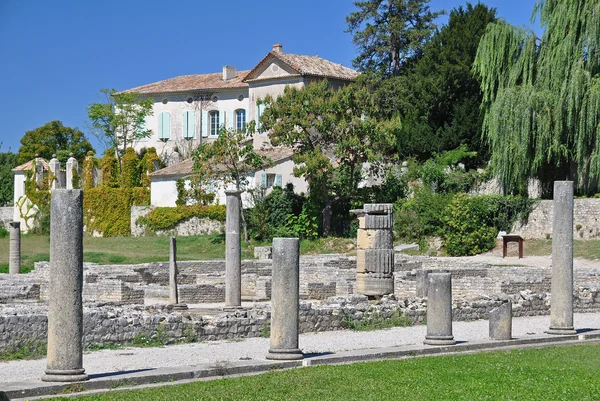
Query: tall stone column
65	313
14	260
561	301
72	168
439	309
375	250
233	251
285	300
173	293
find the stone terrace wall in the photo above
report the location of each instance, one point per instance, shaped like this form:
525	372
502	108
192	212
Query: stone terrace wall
6	216
191	226
23	324
586	216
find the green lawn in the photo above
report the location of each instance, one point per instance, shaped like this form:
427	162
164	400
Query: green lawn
554	373
126	250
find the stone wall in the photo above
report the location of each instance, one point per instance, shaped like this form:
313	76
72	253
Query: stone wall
586	224
103	325
6	216
191	226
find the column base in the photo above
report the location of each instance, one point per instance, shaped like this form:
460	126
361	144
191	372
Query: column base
561	330
439	340
74	375
285	354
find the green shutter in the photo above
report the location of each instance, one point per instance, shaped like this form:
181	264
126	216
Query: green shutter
185	124
278	180
166	125
189	125
160	126
205	123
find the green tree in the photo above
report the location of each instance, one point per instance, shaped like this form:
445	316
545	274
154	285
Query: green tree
54	138
332	134
542	97
388	33
120	120
8	161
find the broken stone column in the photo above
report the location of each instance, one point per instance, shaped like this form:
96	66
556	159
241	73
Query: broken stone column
233	251
561	289
285	303
72	168
439	309
375	250
65	312
501	322
421	283
54	166
14	259
173	293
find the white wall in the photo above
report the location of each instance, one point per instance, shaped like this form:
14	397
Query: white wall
163	191
22	204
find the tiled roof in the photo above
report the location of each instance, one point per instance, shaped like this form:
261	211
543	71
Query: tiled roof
308	65
197	82
29	165
185	168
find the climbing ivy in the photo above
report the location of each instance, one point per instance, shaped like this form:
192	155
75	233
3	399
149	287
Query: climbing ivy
164	218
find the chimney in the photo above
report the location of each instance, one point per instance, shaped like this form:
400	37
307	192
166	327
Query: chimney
278	48
228	72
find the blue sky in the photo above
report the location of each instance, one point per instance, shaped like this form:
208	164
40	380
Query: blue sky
56	55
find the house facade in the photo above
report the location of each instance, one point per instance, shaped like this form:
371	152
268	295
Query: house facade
190	109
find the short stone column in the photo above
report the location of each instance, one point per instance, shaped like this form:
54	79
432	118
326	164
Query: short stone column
14	259
72	169
54	166
375	250
233	250
285	303
65	312
173	293
501	322
561	289
439	309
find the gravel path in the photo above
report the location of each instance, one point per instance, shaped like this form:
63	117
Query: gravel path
256	348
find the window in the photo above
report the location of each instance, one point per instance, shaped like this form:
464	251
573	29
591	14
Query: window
189	125
214	123
164	126
240	119
269	180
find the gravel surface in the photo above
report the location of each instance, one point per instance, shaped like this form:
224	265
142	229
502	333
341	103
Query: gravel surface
256	348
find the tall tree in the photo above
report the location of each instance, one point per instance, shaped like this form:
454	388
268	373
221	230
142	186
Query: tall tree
332	134
8	161
542	97
54	138
120	120
388	33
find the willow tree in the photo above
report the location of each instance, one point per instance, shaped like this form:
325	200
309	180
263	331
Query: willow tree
541	97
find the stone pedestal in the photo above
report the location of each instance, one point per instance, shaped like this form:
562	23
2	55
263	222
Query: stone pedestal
233	250
71	170
561	300
501	322
439	309
173	293
375	250
54	166
65	312
285	303
14	259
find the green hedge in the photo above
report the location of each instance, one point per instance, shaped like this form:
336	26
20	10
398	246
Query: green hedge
108	210
164	218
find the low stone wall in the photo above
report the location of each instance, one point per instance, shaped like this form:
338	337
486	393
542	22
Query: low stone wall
6	216
191	226
104	325
586	224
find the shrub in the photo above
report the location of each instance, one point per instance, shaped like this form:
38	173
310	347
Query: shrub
164	218
420	216
3	232
110	169
130	175
108	210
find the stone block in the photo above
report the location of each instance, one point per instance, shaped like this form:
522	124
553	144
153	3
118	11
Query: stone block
374	284
378	208
501	322
263	252
379	261
380	239
379	221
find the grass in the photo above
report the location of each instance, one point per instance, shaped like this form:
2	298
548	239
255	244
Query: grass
378	321
553	373
133	250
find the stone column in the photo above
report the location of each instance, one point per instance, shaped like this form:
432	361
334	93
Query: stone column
39	170
375	253
561	300
439	309
55	170
285	303
72	167
65	312
173	294
233	251
14	260
501	322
